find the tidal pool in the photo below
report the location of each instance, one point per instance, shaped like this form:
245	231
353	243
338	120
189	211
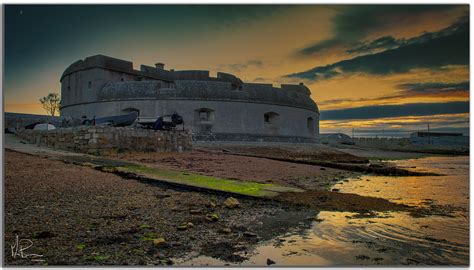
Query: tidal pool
387	238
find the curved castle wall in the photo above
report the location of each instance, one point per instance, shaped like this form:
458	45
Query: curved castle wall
221	108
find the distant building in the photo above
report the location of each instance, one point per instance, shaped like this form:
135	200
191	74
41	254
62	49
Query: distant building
434	134
214	108
439	138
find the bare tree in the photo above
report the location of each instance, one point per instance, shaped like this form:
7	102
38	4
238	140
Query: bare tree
51	103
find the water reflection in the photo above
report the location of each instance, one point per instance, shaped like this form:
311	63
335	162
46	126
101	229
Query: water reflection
343	238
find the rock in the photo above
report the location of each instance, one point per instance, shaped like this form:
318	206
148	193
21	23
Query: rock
182	228
212	204
322	169
270	262
195	211
189	225
166	262
43	234
323	198
226	230
335	190
250	234
88	164
160	256
362	257
212	217
159	242
231	203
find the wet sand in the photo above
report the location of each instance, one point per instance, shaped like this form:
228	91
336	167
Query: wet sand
255	169
379	238
80	216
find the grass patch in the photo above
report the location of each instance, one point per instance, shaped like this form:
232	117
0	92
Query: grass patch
80	246
101	257
215	183
149	236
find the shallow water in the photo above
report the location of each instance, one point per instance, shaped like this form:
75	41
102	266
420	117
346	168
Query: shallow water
393	238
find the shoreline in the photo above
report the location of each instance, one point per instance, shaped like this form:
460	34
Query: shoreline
126	215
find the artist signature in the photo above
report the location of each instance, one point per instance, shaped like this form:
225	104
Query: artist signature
19	248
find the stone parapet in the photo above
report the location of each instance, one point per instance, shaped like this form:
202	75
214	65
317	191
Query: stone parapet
98	140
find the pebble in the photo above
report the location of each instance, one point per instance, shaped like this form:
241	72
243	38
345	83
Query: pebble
182	228
212	217
159	242
250	234
44	234
211	204
226	230
160	256
231	202
270	262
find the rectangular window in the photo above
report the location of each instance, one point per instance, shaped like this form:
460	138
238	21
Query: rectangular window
204	115
267	118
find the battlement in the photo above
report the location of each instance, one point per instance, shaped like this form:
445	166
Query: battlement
158	72
87	82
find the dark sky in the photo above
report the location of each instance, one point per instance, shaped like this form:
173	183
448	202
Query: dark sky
368	66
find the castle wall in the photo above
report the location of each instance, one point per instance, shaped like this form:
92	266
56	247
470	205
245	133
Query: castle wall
225	116
104	86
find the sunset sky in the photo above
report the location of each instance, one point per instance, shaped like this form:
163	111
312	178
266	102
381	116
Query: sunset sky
381	69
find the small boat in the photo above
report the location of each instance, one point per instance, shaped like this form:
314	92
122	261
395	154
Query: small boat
44	126
116	120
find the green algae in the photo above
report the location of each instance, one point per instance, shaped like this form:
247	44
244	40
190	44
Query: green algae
215	183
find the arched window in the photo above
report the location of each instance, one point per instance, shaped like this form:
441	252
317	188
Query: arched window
310	125
271	118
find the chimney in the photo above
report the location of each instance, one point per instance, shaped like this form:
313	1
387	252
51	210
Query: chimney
160	66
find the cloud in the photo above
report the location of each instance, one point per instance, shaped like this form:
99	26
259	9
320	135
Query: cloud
383	43
260	79
242	66
449	46
383	111
407	91
429	88
353	23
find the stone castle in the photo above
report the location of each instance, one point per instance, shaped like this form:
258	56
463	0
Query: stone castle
214	108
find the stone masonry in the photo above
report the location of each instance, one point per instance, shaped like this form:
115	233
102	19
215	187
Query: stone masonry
221	107
109	140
